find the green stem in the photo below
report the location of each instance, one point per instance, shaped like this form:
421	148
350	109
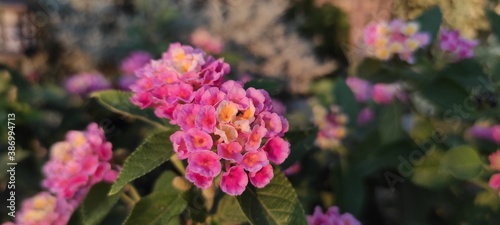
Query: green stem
133	193
129	201
178	164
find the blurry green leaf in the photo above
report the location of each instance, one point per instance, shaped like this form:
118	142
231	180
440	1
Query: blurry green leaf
275	204
154	151
300	143
164	182
469	74
430	21
346	100
322	91
158	208
463	162
444	93
488	199
375	71
494	19
390	127
196	205
271	86
229	211
429	173
97	203
119	102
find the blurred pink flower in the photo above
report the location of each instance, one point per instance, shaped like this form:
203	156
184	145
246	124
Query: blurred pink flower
331	217
85	83
495	181
386	93
451	42
201	38
361	88
44	209
293	169
365	116
495	160
135	61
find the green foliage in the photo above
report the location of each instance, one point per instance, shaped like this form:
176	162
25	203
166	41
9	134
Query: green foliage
301	142
154	151
346	100
119	102
97	204
275	204
429	173
229	211
463	162
273	87
430	21
158	208
494	20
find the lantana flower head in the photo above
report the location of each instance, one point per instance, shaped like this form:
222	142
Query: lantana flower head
383	40
331	217
79	162
332	126
175	79
44	209
233	132
457	46
385	94
361	88
85	83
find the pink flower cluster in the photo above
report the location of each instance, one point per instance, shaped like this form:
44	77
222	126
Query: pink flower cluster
85	83
201	38
454	44
381	93
331	126
495	165
220	122
383	40
331	217
44	209
172	80
79	162
74	166
133	62
484	131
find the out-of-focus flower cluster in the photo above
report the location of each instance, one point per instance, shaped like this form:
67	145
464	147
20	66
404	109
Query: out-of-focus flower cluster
381	93
74	166
201	38
331	217
85	83
383	40
332	126
79	162
457	46
133	62
495	165
219	121
485	131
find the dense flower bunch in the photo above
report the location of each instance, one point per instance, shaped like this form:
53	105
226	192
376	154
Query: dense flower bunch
483	130
380	93
85	83
44	209
332	126
201	38
331	217
454	44
495	165
172	80
79	162
133	62
219	121
383	40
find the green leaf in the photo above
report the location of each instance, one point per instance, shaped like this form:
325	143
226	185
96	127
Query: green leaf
275	204
119	102
164	182
158	208
463	162
390	127
346	100
430	174
196	205
301	142
494	19
469	74
430	21
229	211
154	151
375	71
273	87
97	203
444	93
